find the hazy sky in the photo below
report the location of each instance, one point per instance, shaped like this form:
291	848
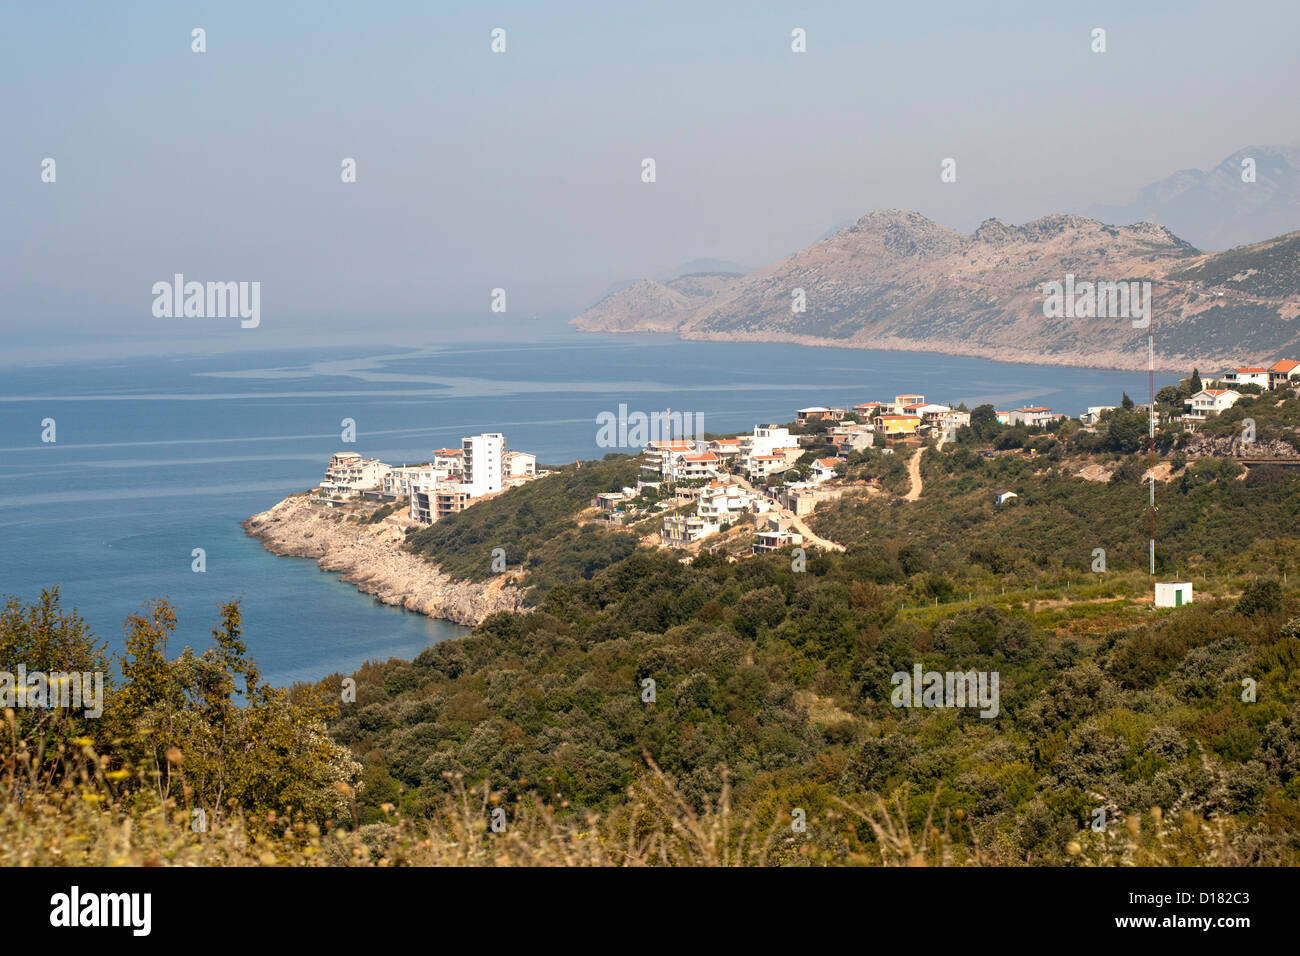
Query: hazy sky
522	170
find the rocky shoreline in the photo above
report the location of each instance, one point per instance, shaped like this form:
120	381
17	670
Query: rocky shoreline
371	557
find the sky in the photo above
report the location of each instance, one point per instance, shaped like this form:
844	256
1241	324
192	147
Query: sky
522	170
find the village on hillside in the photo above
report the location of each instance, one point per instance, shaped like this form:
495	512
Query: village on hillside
774	477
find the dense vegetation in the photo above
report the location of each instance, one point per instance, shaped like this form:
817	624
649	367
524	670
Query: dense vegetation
782	681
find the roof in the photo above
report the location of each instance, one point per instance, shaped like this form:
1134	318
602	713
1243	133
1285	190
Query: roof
827	462
705	456
1250	370
676	444
1284	366
897	418
814	408
1034	408
449	451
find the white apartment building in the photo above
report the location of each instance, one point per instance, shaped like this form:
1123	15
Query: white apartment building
349	473
484	459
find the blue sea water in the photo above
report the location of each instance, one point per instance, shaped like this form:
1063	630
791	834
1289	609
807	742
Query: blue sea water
155	457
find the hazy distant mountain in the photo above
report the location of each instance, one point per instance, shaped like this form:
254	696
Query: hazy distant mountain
896	280
1215	209
696	267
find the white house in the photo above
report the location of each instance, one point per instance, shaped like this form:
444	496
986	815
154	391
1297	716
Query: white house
1005	496
1173	593
817	413
1209	401
823	469
1032	415
1094	413
759	467
1246	375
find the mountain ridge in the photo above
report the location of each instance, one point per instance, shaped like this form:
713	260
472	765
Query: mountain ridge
896	280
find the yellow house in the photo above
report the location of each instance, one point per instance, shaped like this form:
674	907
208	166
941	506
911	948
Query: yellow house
896	424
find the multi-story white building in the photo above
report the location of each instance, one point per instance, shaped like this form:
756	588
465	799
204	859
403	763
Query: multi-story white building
720	500
759	467
765	440
401	479
693	466
1209	401
657	456
348	473
484	457
451	461
680	530
520	464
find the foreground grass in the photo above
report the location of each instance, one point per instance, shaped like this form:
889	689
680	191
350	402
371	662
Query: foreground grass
89	818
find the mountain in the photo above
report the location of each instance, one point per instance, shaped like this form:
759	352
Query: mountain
896	280
1214	209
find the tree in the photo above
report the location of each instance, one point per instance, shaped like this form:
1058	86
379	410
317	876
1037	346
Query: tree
1126	403
1196	381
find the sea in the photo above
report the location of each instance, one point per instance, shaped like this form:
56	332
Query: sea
155	457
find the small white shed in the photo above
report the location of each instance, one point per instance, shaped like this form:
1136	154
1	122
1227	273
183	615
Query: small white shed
1173	593
1005	496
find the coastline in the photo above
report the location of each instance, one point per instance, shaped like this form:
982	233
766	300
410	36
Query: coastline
1103	360
371	557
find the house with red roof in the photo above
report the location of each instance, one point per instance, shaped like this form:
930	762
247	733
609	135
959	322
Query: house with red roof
1283	373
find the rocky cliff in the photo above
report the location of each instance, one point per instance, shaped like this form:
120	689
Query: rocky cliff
371	557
